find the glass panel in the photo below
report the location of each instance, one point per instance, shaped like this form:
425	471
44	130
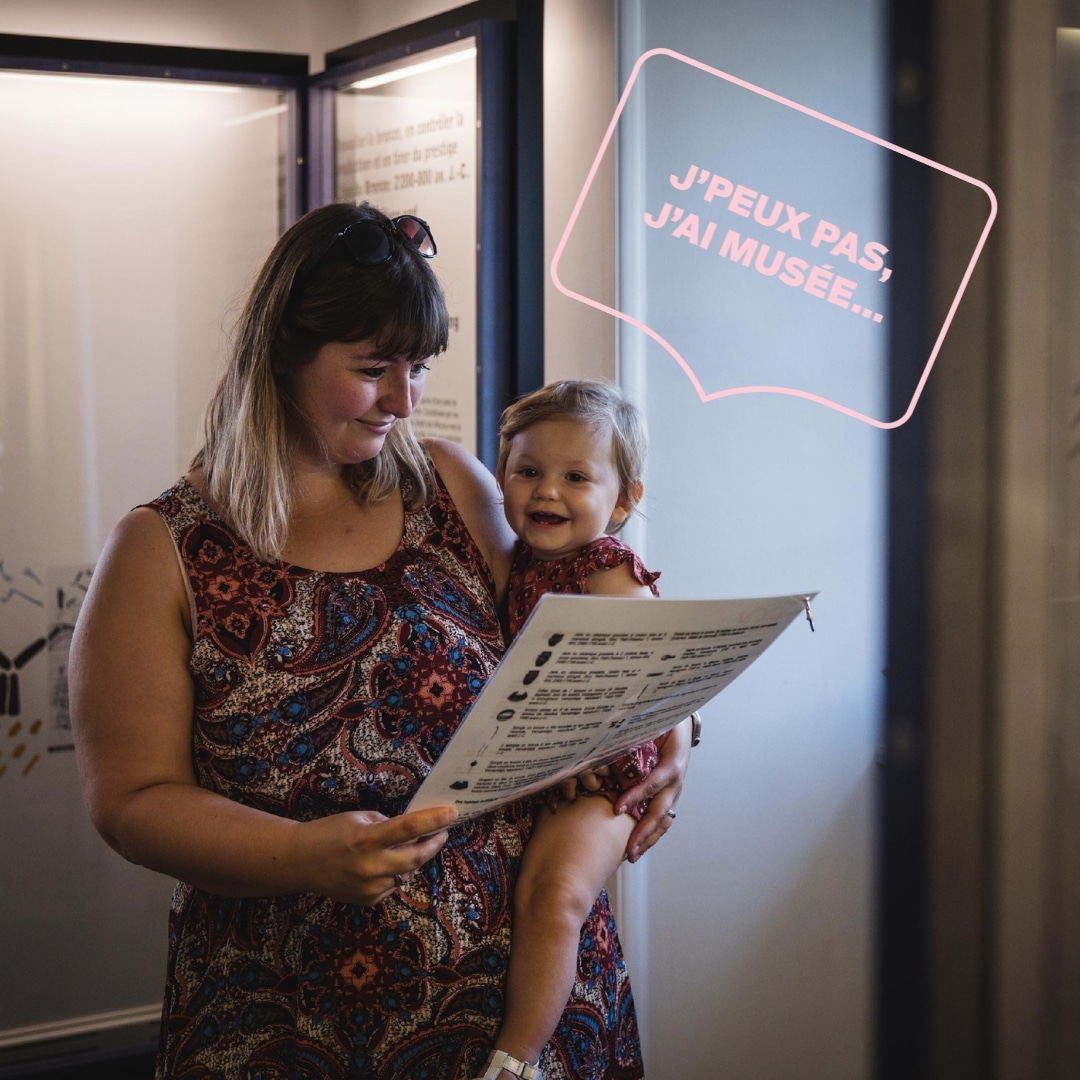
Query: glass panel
761	494
1064	885
132	215
406	140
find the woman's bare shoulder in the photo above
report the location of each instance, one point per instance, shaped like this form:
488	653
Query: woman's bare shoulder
477	497
138	573
141	534
452	459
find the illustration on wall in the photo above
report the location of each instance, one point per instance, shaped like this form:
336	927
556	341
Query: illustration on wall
37	618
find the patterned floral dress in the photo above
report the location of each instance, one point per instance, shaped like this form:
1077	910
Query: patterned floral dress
531	578
321	692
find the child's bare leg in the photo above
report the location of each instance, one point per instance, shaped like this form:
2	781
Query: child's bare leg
569	858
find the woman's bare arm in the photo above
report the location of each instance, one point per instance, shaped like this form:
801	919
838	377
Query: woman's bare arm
132	703
479	502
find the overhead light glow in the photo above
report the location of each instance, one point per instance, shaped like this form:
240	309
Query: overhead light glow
119	81
414	69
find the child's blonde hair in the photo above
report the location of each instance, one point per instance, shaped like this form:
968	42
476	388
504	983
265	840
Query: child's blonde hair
598	405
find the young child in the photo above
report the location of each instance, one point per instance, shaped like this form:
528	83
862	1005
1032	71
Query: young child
571	459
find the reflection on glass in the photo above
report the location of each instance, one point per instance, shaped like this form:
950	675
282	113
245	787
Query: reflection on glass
132	215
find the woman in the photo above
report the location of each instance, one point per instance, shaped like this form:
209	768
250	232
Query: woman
271	656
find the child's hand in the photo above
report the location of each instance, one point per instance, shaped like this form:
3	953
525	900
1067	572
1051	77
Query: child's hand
590	780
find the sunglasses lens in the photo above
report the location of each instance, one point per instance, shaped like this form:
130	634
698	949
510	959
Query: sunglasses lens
417	233
370	243
367	242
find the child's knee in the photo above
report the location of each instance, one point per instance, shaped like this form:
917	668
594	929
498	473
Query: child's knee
549	896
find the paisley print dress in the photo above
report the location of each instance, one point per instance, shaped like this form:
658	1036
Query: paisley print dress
531	578
319	692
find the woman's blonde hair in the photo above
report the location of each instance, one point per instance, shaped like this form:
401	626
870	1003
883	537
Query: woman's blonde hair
598	405
309	292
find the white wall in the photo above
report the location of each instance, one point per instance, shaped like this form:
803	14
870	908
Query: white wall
313	27
579	99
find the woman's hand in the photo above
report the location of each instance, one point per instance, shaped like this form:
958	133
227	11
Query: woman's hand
661	788
362	857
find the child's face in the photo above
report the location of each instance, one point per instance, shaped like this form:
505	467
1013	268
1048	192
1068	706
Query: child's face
561	488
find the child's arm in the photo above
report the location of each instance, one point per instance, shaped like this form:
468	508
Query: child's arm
616	581
663	785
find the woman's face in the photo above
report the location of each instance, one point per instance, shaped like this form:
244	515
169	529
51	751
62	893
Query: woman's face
351	400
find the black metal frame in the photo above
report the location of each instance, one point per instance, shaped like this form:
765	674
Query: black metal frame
150	61
902	878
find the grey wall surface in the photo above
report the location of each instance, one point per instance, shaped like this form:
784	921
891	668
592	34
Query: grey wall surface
753	920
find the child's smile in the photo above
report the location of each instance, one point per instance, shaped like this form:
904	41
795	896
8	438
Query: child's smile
561	488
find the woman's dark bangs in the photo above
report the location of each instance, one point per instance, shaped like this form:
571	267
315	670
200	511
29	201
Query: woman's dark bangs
403	312
410	318
406	336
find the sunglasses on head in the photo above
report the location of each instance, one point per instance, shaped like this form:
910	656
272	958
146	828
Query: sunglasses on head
371	242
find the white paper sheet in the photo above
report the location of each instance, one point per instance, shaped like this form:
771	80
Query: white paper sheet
588	677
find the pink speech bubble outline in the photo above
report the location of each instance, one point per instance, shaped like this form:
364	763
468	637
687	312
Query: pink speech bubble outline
667	346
